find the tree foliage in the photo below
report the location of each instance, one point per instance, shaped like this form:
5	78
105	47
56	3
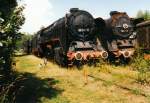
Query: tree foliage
22	39
6	8
11	18
9	35
144	14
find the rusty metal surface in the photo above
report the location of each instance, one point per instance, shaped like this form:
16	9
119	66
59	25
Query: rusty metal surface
86	55
118	42
126	53
144	24
147	56
143	35
116	16
87	50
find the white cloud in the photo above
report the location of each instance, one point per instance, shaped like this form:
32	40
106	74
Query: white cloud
38	13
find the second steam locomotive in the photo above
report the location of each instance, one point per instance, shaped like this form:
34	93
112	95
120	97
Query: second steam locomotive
119	36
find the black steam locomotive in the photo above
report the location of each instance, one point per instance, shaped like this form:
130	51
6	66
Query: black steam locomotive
119	36
70	40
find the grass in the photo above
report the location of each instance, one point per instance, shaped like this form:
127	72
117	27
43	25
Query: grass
104	84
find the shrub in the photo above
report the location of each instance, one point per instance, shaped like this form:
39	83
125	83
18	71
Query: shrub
142	66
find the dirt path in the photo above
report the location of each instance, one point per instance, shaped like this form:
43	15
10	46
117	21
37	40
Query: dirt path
53	84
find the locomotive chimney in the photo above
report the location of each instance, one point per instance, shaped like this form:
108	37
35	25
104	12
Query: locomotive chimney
72	10
113	13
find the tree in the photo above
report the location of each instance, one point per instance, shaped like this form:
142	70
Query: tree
147	15
22	39
11	18
144	14
9	36
140	14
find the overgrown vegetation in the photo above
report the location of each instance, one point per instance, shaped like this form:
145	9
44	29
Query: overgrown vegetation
11	18
107	83
142	66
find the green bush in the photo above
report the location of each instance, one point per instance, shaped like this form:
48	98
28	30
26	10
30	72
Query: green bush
11	19
142	66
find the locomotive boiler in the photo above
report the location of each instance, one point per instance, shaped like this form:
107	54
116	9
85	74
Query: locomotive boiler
119	36
70	40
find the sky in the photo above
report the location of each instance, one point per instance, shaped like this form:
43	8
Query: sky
39	13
